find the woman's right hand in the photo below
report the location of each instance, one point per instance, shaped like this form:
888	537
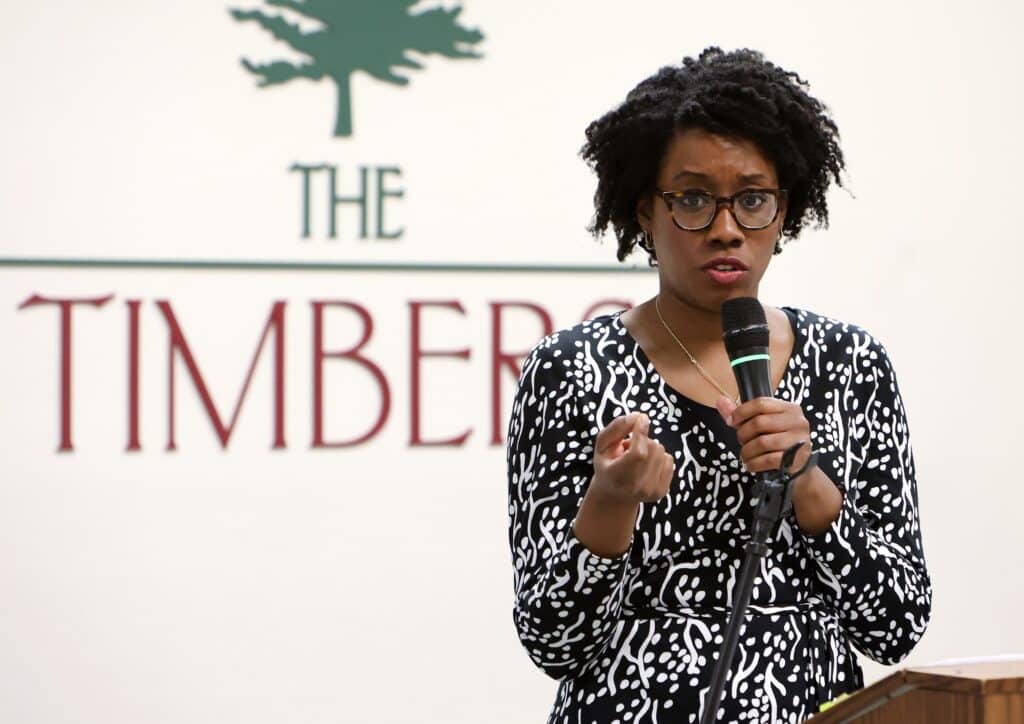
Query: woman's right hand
629	467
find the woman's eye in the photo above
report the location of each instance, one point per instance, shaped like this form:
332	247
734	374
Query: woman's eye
752	199
692	201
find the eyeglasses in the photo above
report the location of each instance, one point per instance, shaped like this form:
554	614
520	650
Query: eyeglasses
695	210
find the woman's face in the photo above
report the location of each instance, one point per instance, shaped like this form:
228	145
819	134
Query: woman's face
698	160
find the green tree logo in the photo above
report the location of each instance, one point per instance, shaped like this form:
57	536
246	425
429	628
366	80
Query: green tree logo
374	36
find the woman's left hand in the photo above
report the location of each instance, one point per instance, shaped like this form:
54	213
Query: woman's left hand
766	427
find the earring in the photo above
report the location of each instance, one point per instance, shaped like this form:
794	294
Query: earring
778	245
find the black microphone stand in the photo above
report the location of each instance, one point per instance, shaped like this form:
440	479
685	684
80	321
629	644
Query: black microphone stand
774	500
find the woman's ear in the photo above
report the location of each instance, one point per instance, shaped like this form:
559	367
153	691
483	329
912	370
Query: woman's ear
643	212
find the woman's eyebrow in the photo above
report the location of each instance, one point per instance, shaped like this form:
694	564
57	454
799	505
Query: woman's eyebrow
743	178
694	174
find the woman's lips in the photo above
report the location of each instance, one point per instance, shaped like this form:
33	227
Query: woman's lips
725	277
725	270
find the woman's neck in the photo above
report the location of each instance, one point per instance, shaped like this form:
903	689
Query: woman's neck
698	328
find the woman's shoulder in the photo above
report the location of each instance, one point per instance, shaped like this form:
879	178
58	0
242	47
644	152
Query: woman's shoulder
588	338
828	332
843	349
572	354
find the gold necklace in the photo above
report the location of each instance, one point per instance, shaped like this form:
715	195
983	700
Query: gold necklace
703	372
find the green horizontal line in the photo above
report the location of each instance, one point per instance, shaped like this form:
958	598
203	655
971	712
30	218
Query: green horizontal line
750	358
312	266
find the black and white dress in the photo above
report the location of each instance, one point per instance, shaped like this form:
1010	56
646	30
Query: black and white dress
634	638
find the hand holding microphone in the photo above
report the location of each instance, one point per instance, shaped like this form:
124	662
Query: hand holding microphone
766	427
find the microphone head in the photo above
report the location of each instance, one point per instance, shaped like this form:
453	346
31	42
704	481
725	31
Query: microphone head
744	325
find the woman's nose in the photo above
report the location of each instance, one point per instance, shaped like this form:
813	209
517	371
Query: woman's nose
724	230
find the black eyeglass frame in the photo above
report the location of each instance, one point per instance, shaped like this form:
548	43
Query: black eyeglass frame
779	195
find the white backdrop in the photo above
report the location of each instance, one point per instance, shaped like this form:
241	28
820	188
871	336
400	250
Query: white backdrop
373	584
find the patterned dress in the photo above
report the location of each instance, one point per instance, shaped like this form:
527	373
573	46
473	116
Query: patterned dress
634	638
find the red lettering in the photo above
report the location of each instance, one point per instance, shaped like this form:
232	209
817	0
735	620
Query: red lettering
66	306
319	355
417	354
133	375
510	361
177	343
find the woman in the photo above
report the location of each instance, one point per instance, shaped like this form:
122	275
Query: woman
631	459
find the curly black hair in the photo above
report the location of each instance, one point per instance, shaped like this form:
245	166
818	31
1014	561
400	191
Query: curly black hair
738	94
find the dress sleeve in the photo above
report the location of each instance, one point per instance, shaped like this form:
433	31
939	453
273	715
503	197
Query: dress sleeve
870	562
567	599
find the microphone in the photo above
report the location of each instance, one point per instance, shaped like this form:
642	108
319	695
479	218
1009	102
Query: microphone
745	332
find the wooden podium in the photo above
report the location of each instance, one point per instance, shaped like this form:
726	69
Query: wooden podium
990	692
